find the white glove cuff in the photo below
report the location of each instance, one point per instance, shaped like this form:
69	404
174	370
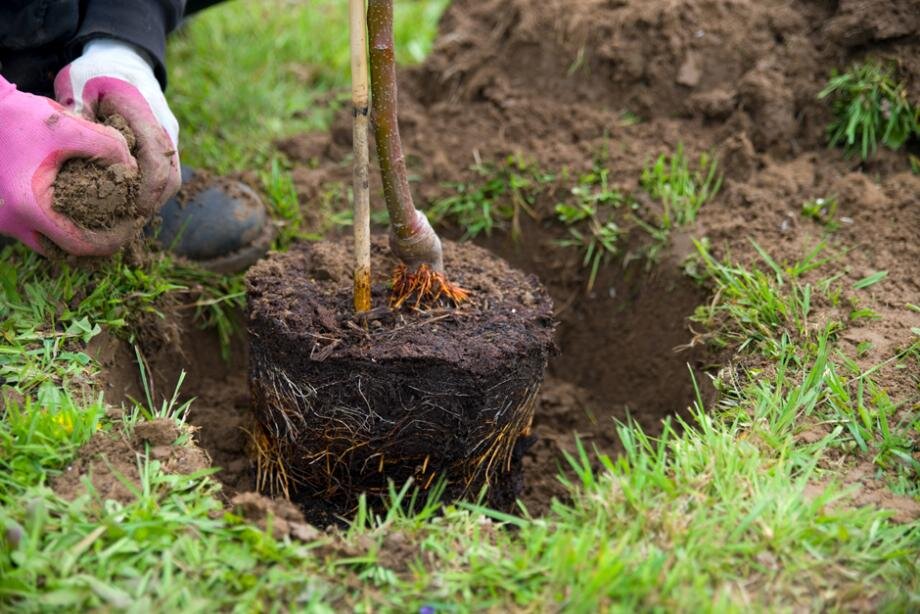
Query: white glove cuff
108	57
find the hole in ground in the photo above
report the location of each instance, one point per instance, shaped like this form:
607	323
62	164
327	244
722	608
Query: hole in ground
618	359
623	353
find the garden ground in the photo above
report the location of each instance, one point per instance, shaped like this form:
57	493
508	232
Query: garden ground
733	413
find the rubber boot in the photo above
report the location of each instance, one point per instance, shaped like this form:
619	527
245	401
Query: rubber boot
219	223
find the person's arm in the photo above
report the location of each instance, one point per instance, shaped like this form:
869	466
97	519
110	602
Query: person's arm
143	23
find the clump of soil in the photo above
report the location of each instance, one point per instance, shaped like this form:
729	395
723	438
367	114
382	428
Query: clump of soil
108	458
281	515
94	196
445	393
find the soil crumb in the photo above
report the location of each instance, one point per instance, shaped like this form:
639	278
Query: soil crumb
94	196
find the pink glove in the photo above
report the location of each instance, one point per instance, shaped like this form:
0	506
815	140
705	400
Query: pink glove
37	136
115	77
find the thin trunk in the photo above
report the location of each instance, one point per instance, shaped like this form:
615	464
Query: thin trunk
361	190
413	239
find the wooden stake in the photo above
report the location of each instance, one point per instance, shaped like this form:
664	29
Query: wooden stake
362	208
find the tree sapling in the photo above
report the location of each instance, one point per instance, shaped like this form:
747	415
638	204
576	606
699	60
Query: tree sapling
412	239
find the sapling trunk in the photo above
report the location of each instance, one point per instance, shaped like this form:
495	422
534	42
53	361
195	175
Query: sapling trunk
413	239
359	100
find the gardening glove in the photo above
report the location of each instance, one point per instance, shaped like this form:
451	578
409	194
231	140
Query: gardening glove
37	136
114	77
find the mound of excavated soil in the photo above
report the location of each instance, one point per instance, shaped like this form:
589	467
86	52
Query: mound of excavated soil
94	196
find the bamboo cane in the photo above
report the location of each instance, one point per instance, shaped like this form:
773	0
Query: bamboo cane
361	191
412	239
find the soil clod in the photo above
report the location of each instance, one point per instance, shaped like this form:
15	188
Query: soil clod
95	196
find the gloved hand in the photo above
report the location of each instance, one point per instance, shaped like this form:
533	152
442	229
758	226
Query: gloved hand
37	136
114	77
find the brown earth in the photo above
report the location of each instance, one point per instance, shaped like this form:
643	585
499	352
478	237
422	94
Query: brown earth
110	459
96	196
556	83
552	82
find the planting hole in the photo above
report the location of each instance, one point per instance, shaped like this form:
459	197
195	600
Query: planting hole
622	354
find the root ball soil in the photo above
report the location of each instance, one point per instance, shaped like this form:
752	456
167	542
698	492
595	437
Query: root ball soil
345	403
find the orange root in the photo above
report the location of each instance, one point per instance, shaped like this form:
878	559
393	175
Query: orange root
427	287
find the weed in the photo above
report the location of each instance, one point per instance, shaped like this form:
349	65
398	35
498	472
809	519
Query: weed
823	211
869	106
588	216
682	191
496	202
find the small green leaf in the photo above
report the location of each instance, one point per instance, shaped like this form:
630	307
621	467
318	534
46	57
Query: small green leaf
870	280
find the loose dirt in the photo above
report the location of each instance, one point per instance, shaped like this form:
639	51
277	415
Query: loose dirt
560	82
96	196
110	460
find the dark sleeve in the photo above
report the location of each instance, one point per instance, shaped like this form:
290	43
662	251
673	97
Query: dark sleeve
144	23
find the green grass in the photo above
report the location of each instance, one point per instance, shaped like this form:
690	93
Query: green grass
870	107
730	510
496	201
756	305
246	73
588	215
682	190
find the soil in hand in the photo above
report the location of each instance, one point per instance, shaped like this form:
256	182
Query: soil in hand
94	196
346	403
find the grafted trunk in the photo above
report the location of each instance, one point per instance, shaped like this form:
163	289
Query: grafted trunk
413	240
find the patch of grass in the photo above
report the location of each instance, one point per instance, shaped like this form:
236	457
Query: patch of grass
856	401
38	300
588	216
754	307
235	91
719	512
870	106
682	190
496	201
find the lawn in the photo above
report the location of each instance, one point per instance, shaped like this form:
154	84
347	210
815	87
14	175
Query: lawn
732	509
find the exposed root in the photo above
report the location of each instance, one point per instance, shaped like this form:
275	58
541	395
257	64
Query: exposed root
272	475
424	288
336	449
